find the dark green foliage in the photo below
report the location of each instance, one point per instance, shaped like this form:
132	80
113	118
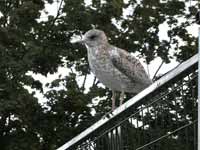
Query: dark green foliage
29	43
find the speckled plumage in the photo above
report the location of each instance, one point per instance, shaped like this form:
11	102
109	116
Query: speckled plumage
114	67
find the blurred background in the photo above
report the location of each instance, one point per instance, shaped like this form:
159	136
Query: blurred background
47	92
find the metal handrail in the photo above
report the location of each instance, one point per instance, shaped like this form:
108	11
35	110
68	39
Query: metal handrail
166	78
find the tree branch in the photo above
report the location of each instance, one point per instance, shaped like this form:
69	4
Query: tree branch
94	81
83	85
158	70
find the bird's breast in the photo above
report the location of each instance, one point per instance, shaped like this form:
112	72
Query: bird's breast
101	65
99	61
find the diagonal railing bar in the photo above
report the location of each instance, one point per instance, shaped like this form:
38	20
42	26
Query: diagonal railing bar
115	134
166	135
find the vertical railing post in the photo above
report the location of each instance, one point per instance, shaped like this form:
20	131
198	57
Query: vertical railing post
198	89
198	124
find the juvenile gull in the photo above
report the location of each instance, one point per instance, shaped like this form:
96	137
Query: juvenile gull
114	67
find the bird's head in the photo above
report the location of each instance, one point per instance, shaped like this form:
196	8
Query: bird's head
93	38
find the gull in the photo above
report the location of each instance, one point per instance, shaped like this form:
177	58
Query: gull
114	67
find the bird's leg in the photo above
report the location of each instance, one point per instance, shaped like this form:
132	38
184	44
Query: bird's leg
113	99
121	97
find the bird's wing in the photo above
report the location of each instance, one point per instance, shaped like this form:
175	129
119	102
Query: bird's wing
129	66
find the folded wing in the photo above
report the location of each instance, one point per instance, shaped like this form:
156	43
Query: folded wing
129	66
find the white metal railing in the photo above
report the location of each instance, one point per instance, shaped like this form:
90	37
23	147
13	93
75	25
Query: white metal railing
166	78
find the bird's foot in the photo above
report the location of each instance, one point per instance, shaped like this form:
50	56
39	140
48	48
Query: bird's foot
113	100
121	98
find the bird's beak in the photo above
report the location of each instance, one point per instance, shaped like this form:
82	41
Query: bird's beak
81	41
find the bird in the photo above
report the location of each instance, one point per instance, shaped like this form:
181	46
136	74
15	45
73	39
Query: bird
116	68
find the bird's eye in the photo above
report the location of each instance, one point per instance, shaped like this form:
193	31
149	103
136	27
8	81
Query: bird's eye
92	37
